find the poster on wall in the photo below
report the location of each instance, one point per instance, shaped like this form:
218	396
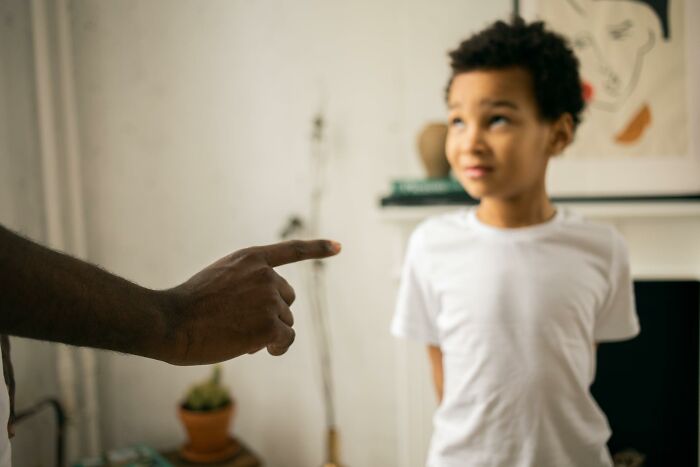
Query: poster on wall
639	58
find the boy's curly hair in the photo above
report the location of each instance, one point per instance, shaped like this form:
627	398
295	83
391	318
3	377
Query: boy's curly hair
546	55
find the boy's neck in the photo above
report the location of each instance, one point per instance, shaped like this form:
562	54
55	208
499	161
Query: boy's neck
522	211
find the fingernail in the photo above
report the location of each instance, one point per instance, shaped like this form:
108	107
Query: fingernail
335	246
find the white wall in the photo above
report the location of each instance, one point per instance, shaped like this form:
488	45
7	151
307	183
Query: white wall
195	120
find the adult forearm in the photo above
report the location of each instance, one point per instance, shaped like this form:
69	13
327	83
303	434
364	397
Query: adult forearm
51	296
237	305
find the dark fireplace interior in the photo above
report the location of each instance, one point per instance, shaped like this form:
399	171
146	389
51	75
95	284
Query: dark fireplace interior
648	387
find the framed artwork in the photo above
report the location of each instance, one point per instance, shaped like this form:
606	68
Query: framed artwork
640	65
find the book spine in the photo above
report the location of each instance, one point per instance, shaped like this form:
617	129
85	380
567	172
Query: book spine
426	187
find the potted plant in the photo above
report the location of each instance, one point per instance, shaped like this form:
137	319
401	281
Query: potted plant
206	413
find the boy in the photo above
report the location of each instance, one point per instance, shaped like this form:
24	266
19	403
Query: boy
513	296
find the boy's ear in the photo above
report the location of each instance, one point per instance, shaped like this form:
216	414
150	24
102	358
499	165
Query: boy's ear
562	134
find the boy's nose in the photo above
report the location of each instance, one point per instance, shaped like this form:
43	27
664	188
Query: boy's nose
472	141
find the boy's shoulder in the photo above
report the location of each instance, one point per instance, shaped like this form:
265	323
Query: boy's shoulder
591	237
452	219
442	223
437	230
576	223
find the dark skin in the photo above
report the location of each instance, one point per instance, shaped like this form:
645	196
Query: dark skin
237	305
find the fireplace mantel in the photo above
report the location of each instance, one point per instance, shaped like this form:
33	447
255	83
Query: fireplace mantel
663	236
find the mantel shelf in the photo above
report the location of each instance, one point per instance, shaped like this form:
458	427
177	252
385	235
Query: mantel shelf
599	210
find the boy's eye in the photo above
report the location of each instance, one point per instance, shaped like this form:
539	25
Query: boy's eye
456	122
498	120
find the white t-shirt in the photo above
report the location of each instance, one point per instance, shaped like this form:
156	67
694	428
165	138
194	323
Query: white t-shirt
517	314
5	451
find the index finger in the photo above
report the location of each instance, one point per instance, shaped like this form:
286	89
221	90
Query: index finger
299	250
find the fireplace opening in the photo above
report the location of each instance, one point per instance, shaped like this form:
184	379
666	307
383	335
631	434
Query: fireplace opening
648	386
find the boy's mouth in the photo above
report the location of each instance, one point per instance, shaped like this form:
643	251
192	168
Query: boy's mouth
475	172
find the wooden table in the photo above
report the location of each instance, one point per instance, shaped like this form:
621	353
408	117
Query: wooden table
244	458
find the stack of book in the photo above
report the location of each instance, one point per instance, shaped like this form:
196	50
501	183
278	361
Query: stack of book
418	192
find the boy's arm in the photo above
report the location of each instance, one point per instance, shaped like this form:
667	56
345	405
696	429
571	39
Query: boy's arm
237	305
435	355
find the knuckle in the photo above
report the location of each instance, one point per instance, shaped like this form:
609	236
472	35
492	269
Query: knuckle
251	255
256	256
290	317
269	330
299	248
284	335
244	252
283	340
270	307
276	336
273	305
265	275
269	274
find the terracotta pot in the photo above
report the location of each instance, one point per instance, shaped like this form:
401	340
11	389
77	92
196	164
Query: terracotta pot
431	146
207	431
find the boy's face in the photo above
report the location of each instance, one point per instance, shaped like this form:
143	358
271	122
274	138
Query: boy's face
497	144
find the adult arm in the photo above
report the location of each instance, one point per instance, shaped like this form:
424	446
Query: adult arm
435	355
235	306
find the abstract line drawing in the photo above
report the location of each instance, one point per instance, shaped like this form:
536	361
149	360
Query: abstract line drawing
632	58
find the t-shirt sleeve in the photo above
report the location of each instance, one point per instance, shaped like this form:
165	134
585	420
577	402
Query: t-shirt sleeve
617	320
416	306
